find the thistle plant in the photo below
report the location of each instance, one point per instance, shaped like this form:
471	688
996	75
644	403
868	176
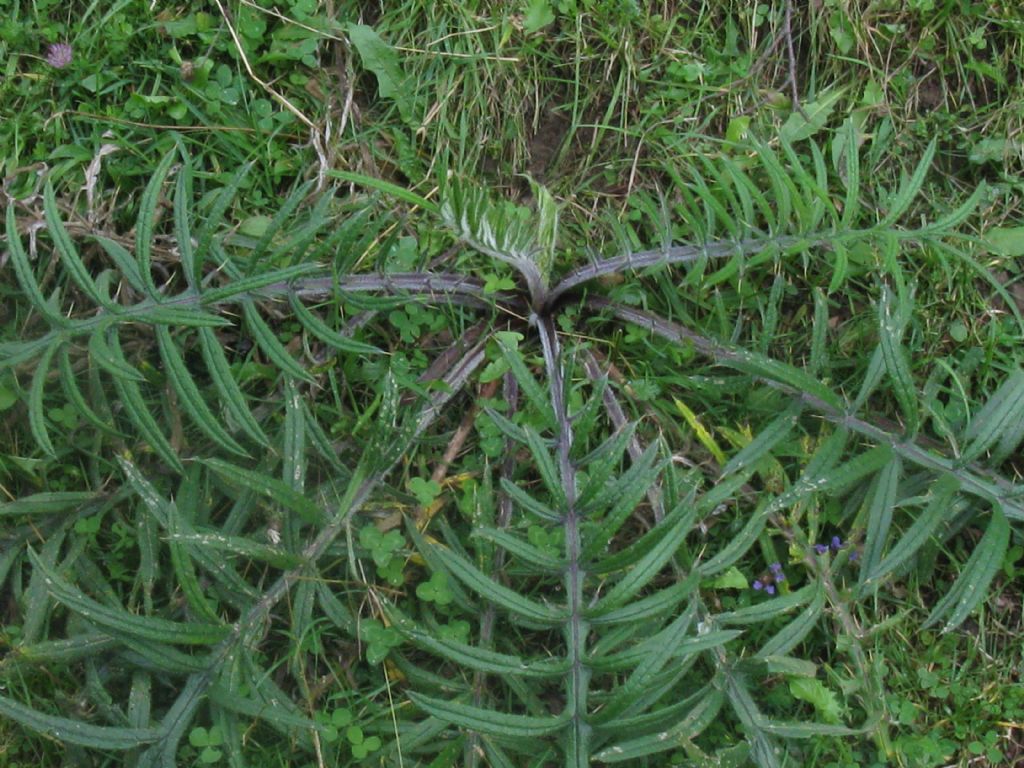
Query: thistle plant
565	593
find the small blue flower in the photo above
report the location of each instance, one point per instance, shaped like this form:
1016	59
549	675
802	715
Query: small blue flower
770	589
758	585
780	577
775	568
854	556
837	543
821	549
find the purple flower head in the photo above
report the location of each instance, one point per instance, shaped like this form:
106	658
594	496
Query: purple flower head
775	568
780	577
757	585
770	589
821	549
58	55
837	543
854	556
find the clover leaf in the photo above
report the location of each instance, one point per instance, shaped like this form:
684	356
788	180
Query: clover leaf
379	640
381	545
425	491
435	590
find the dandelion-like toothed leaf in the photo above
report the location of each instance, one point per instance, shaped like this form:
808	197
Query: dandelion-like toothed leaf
638	577
481	659
69	254
488	721
547	229
528	503
479	582
25	275
248	286
620	499
787	638
521	549
191	400
534	392
76	732
656	605
146	221
135	407
495	231
937	512
325	333
764	751
703	709
896	365
230	393
119	622
971	586
680	516
283	213
1000	417
879	503
269	487
36	410
766	439
902	199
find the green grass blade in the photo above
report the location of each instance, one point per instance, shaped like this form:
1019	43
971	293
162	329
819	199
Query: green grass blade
400	193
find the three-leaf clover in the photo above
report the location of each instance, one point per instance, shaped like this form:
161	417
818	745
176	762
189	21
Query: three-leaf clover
333	723
435	590
425	491
207	741
393	571
360	744
457	631
381	545
379	640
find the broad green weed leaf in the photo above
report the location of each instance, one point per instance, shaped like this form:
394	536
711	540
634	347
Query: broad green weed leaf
815	114
381	59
